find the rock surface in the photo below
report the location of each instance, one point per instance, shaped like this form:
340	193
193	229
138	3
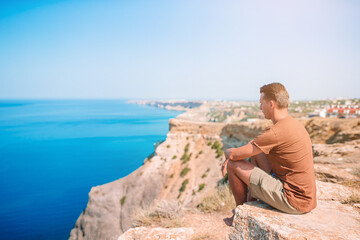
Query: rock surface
330	220
331	191
144	233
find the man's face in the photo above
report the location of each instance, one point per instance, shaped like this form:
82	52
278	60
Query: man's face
265	106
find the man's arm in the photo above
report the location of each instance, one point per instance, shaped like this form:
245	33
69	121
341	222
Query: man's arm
241	153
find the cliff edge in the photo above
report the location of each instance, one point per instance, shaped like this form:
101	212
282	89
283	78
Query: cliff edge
187	164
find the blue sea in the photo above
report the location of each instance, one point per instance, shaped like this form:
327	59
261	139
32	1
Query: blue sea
53	151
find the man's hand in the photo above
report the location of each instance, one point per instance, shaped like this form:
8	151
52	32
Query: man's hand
224	167
227	153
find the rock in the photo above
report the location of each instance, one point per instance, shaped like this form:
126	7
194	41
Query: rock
335	150
145	233
330	220
331	191
332	130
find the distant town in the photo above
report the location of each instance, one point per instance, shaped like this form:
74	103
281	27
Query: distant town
241	111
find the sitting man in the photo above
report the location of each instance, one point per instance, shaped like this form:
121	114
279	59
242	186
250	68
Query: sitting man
281	171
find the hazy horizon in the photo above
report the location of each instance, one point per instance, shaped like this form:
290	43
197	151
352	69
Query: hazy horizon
196	50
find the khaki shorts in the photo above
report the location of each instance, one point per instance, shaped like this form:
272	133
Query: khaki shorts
270	190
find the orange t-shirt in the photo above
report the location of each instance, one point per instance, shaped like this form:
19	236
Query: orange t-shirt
289	150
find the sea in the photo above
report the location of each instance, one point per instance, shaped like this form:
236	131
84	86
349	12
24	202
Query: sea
53	151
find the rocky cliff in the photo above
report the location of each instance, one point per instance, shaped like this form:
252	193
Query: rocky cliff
183	167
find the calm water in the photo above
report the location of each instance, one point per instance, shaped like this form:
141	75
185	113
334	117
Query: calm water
53	152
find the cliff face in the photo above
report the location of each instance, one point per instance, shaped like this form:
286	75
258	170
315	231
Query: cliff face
188	146
183	167
332	130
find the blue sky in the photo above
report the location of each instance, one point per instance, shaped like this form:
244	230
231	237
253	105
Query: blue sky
178	49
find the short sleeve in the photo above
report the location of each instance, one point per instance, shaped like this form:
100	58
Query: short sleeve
266	141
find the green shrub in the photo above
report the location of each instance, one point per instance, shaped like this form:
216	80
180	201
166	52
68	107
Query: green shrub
183	185
204	175
215	145
219	153
186	157
168	146
224	180
174	157
201	187
218	148
186	148
184	171
122	200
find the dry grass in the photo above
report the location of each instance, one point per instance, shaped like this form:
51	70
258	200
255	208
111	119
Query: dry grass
356	171
327	177
164	214
205	236
352	183
354	198
218	200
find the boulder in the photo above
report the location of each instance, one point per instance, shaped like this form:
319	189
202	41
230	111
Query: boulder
329	220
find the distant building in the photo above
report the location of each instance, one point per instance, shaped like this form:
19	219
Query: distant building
343	111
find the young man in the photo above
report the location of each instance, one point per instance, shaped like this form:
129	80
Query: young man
281	172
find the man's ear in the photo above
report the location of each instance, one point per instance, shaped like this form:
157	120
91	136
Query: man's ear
272	104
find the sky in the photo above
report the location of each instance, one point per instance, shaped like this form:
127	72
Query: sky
110	49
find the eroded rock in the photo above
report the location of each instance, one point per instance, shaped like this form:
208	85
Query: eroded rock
330	220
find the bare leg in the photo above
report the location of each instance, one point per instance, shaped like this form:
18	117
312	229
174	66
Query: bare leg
239	177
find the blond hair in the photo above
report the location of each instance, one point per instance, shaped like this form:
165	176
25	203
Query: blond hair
276	92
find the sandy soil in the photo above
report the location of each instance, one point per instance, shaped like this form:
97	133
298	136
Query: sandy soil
208	226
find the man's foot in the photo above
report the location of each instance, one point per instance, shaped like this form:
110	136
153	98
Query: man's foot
229	221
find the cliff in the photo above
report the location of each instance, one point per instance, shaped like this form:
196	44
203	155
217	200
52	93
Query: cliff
186	165
188	145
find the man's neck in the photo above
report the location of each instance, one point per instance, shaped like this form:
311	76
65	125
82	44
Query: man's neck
279	114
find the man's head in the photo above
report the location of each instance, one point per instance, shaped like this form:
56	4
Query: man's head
273	95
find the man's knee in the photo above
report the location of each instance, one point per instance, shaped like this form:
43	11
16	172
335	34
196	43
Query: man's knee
241	165
240	169
232	165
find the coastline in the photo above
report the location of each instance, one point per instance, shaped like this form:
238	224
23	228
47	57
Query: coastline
62	149
160	176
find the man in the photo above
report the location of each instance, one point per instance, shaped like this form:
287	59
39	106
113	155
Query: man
281	171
